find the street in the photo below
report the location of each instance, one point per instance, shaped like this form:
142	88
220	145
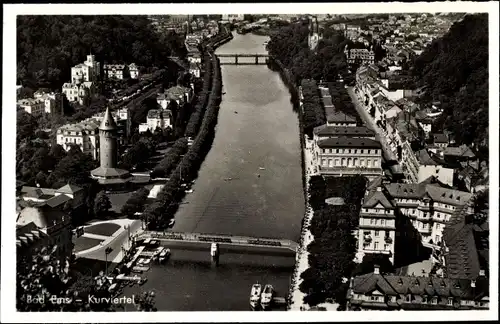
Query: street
370	123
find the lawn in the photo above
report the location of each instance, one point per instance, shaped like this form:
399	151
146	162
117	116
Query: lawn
106	229
83	243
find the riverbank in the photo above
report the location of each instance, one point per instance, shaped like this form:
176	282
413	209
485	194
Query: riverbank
296	297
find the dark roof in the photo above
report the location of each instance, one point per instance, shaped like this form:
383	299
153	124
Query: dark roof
57	200
440	138
424	158
325	130
462	150
349	142
420	286
376	197
334	116
466	237
434	191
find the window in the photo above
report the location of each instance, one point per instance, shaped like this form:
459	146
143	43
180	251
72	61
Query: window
450	301
372	221
376	245
382	222
386	247
437	226
377	233
434	300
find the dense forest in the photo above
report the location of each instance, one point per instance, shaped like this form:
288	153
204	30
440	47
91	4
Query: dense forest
454	70
289	45
48	46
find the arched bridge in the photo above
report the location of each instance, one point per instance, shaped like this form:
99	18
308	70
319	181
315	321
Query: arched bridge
221	239
243	59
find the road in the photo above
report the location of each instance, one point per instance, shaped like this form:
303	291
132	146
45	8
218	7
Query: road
116	243
370	123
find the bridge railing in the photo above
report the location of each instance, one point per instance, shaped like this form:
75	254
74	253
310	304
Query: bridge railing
221	238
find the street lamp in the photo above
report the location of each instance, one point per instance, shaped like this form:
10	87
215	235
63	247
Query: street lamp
107	251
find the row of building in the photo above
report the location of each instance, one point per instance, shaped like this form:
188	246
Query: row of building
407	127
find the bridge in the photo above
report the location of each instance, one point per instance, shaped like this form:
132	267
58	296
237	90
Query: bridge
242	59
222	239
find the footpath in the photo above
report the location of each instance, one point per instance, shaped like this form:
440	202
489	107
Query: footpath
302	261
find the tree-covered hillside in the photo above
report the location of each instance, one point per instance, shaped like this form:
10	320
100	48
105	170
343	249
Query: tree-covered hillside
48	46
454	69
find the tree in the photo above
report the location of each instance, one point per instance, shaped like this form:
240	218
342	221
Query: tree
145	302
102	204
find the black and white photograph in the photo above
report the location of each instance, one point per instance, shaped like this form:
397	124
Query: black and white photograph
236	159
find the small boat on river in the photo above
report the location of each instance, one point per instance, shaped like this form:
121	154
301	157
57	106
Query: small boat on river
267	296
255	294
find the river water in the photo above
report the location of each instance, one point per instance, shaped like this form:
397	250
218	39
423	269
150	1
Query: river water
257	146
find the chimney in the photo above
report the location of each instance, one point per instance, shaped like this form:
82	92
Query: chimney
473	283
482	273
376	269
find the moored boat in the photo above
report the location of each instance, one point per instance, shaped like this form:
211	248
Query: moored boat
267	296
255	294
164	254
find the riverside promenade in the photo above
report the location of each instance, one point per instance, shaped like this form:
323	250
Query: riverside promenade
302	258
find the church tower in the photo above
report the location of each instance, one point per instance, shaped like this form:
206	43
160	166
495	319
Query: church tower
314	33
108	147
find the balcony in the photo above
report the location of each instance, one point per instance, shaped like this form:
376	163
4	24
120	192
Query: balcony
388	239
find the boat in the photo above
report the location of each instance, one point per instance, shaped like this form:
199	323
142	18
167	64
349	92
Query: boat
266	42
261	168
189	191
142	281
164	254
223	93
228	179
267	296
235	112
171	223
146	261
255	295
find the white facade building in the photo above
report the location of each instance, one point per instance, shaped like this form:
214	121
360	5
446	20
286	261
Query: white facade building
157	118
77	92
116	71
90	70
85	134
35	107
53	102
133	71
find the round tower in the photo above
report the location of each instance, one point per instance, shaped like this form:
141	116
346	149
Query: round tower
108	146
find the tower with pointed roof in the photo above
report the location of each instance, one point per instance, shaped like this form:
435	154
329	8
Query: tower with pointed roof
107	173
108	141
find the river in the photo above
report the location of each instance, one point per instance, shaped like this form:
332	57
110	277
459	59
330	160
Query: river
257	145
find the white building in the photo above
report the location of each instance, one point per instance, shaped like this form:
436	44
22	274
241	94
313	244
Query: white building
178	93
77	92
194	70
116	71
157	118
134	71
35	107
90	70
377	225
53	102
232	17
85	134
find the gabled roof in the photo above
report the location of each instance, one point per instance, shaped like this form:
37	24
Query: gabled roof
334	116
392	285
69	189
424	158
377	197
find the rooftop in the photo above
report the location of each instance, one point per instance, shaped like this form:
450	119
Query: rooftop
349	142
392	285
375	197
325	130
433	191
